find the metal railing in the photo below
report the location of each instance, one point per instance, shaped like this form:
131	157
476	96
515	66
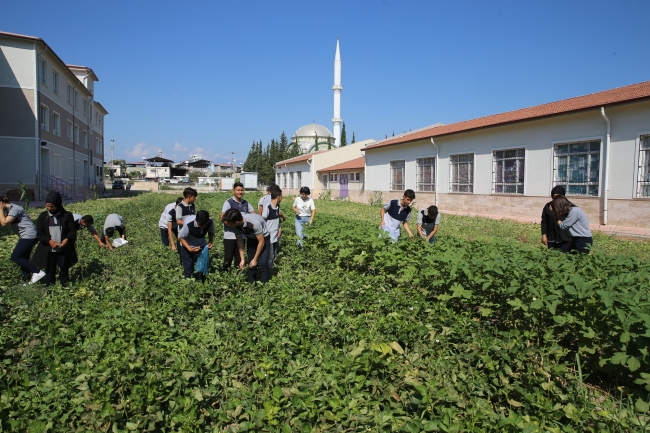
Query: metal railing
91	183
51	183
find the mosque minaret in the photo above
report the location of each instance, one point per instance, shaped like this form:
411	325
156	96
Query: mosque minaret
336	120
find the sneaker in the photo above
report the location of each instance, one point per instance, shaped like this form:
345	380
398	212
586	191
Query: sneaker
37	277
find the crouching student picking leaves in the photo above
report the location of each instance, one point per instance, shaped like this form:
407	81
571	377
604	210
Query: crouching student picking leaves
192	239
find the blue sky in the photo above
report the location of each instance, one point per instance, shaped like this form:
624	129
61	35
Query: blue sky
212	76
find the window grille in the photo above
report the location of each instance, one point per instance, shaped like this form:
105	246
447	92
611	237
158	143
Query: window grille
577	167
461	173
508	171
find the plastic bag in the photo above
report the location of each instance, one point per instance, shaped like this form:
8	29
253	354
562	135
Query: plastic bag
119	242
203	262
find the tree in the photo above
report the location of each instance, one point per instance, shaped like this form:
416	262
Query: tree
353	139
344	139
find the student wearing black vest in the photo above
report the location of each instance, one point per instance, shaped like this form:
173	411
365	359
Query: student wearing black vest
230	249
397	212
552	236
273	216
251	226
186	207
428	221
192	239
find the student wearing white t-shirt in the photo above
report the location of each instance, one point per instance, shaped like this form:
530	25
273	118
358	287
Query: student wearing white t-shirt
305	210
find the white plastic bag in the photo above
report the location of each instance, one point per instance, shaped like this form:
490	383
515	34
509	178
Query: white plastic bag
119	242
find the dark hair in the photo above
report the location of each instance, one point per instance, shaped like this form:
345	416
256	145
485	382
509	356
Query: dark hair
409	193
232	216
236	184
561	206
110	231
202	217
268	188
178	200
88	219
559	190
276	192
4	199
305	190
189	192
432	212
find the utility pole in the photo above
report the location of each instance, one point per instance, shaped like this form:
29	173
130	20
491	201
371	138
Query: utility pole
112	155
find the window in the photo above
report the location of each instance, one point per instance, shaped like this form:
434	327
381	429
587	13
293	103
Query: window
69	131
55	81
76	134
426	174
76	99
85	139
298	179
643	188
336	177
45	118
508	171
284	180
397	175
99	120
96	118
98	147
331	177
291	179
577	167
85	107
42	71
69	88
461	169
56	124
324	181
277	176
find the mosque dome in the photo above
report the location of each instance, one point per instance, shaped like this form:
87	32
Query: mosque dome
312	130
313	137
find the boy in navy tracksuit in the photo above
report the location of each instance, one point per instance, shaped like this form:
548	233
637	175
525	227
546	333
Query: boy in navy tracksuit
192	239
397	212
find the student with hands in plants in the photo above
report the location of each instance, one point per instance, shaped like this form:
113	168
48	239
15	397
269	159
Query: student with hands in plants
87	221
114	223
57	236
16	217
571	217
395	213
253	227
552	236
428	221
192	239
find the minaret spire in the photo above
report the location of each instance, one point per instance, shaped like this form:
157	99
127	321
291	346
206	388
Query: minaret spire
336	120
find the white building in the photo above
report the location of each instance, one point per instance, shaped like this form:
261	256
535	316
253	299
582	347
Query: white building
51	126
313	170
506	164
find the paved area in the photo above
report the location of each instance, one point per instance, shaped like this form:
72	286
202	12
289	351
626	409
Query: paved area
613	230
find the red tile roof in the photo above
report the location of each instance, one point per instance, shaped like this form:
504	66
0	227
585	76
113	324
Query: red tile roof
355	164
300	158
607	97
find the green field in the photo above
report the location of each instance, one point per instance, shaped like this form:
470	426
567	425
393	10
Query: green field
485	331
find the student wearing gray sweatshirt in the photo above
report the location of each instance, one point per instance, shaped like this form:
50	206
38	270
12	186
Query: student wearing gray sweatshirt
571	217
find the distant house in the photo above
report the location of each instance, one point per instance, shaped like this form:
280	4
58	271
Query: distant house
50	122
223	170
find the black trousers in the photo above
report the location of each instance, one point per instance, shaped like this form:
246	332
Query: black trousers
164	236
54	260
230	252
581	244
20	256
262	267
188	260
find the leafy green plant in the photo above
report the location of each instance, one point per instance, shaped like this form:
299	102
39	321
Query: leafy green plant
376	199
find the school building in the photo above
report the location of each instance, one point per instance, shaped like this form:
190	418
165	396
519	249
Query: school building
339	170
597	146
51	125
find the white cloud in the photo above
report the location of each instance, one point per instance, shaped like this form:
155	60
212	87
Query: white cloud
179	148
141	150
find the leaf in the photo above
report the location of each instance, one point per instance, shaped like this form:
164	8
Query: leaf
37	427
187	375
641	406
170	321
395	396
619	358
397	348
197	394
515	403
356	352
633	364
131	426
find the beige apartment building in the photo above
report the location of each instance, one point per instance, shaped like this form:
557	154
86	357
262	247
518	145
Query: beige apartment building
51	126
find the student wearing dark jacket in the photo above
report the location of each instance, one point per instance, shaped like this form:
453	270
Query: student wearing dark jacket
57	235
552	236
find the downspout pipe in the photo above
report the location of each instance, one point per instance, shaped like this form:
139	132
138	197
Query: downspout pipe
606	174
436	173
38	122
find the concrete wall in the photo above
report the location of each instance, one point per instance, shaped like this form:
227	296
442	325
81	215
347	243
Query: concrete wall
537	138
